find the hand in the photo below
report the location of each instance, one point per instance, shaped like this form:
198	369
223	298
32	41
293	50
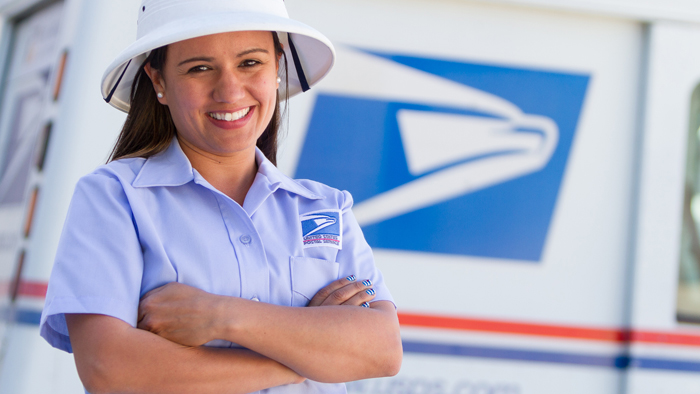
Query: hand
345	291
181	314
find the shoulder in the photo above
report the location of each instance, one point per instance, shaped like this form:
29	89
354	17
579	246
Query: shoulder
123	170
342	199
112	177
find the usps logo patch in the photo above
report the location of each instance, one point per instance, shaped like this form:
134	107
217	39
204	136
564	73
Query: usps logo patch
322	228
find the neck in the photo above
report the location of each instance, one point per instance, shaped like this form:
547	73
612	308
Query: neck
232	175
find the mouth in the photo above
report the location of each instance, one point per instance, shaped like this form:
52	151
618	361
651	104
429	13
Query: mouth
229	116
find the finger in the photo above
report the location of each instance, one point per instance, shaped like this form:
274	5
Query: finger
362	298
141	324
144	324
141	311
343	294
153	291
147	301
324	293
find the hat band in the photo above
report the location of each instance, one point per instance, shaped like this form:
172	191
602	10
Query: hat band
114	89
297	65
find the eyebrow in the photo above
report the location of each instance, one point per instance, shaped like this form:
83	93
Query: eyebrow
252	50
196	59
211	59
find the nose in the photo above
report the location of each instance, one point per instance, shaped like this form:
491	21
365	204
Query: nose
228	88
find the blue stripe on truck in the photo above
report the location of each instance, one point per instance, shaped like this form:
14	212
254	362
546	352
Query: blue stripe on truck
23	316
620	362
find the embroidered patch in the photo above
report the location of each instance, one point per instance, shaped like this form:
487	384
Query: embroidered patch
322	228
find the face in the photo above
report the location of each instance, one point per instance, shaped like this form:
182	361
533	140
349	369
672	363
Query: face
221	89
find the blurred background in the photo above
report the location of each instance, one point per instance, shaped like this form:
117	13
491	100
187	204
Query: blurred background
526	171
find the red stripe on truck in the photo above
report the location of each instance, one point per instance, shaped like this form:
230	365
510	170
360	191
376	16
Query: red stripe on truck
548	330
32	289
668	338
509	327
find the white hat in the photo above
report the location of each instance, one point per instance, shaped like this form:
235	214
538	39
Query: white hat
163	22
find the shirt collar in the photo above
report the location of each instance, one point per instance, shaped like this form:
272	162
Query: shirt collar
172	168
277	179
168	168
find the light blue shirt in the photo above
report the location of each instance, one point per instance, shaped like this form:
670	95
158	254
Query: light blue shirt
136	224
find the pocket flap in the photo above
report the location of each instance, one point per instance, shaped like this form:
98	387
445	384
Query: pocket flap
309	275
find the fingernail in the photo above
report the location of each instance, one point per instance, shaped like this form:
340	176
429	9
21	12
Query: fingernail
365	304
351	278
370	291
367	282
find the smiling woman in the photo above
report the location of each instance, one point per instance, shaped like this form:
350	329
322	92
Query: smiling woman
220	92
190	263
187	65
220	103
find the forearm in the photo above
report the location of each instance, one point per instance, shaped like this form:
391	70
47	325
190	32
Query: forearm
112	356
325	344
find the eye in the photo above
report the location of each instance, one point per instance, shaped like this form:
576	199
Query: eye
250	63
198	69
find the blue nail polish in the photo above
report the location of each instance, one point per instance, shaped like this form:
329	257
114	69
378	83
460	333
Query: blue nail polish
351	278
365	305
367	282
370	291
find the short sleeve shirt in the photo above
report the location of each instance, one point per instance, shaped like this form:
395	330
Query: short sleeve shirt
137	224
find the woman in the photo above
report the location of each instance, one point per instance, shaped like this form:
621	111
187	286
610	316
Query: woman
191	236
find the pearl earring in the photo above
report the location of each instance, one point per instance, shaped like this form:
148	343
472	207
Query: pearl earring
160	95
279	79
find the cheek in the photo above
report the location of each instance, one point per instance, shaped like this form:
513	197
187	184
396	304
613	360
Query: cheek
265	83
266	93
188	101
185	112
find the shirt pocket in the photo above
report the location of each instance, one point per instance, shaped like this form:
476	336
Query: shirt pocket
309	275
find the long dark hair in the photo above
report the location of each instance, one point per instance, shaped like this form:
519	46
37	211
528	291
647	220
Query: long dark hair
149	127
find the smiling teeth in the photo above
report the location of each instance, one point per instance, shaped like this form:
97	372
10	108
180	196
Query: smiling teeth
231	116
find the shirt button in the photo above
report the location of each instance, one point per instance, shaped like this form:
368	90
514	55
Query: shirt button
245	239
255	298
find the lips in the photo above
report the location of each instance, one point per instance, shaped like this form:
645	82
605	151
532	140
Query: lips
232	120
229	116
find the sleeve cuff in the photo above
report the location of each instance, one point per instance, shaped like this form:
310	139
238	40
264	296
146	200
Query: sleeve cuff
53	326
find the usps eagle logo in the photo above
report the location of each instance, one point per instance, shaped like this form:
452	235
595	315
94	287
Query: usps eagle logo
450	157
322	228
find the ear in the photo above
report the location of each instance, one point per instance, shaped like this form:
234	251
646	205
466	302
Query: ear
279	57
277	65
158	82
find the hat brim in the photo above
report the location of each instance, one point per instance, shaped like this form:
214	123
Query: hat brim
315	51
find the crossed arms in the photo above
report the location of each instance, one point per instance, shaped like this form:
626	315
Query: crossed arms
333	340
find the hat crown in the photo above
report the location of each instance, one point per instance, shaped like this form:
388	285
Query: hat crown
154	14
